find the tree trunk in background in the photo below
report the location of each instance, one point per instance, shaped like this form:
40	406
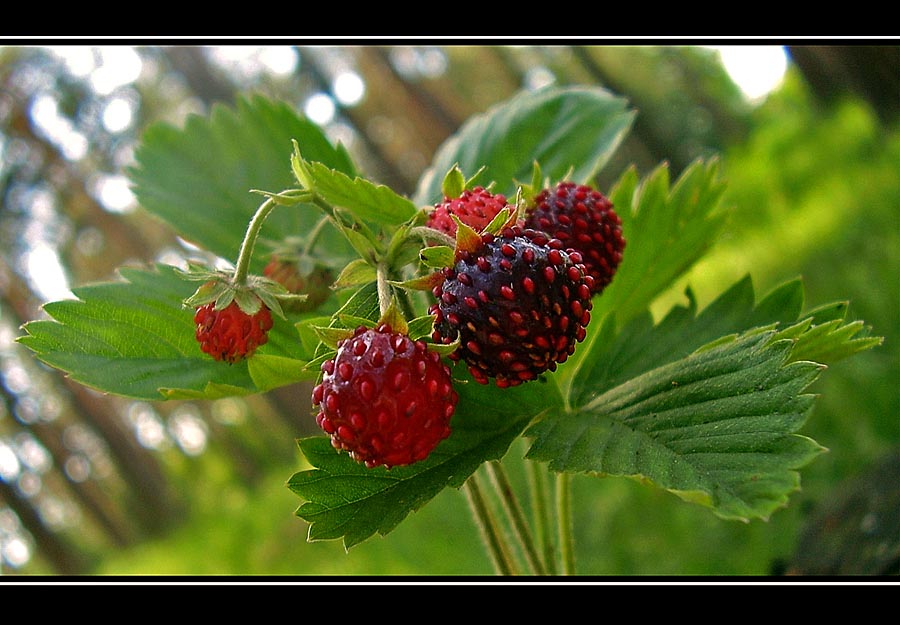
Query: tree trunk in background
65	558
869	72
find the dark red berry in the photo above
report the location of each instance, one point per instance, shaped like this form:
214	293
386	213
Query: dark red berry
474	207
316	284
518	304
583	219
231	334
385	398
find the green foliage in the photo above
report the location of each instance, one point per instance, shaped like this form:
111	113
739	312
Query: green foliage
363	199
707	406
135	339
198	179
574	129
668	227
715	428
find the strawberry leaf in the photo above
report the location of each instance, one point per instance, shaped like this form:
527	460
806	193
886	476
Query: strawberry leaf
364	199
708	405
563	128
667	228
718	428
344	499
134	338
199	179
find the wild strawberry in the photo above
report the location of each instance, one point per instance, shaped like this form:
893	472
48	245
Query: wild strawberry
315	284
385	398
583	219
474	207
230	334
518	303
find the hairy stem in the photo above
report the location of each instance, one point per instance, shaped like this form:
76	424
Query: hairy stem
246	253
564	517
314	234
541	515
487	525
385	293
514	512
430	235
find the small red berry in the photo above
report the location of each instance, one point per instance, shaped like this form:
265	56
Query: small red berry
231	334
584	220
385	398
474	207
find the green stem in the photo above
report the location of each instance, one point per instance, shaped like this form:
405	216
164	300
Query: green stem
541	515
314	235
487	525
514	512
243	262
385	293
564	516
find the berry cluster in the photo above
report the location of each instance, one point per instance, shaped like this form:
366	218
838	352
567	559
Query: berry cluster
514	301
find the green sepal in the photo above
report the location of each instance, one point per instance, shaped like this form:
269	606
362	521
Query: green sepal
505	218
206	293
393	317
467	238
420	327
437	256
444	349
454	183
247	301
331	335
420	283
358	272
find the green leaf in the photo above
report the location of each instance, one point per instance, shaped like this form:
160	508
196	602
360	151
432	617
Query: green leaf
199	178
134	338
354	274
269	372
438	256
364	199
344	499
727	381
832	341
667	230
718	428
562	128
610	358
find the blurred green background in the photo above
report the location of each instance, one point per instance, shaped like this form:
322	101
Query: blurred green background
92	484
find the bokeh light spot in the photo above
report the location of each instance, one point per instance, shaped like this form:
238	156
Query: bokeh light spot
349	88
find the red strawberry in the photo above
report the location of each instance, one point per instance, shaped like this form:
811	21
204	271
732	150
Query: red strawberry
518	303
230	334
475	208
583	219
385	398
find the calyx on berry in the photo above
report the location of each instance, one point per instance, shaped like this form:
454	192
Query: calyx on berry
474	205
233	320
